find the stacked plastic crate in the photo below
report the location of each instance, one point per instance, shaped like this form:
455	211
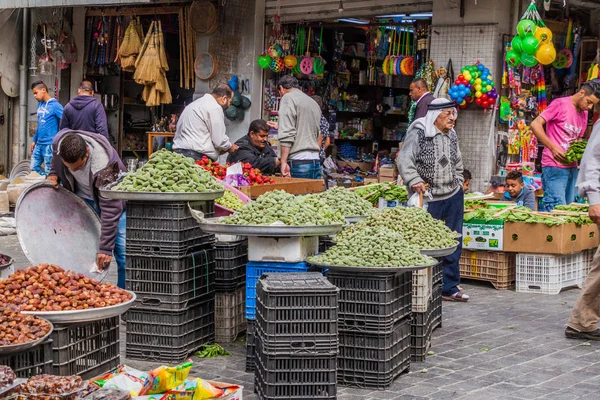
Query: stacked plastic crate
427	314
171	268
262	253
296	337
374	327
230	288
436	297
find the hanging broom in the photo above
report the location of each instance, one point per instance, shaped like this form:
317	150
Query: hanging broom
161	48
145	44
148	68
130	48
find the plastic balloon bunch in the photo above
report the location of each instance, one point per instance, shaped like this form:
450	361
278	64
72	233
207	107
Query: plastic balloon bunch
474	84
533	43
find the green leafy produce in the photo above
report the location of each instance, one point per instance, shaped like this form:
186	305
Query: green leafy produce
230	200
524	214
347	202
575	151
475	203
211	350
169	172
373	246
279	206
416	225
389	191
582	208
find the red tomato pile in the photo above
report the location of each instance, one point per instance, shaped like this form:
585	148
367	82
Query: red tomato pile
220	171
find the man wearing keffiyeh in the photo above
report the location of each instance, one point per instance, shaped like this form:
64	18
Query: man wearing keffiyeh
431	156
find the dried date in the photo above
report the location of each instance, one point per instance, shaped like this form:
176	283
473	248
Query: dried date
16	328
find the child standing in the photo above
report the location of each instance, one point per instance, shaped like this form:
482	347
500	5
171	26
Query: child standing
517	191
49	114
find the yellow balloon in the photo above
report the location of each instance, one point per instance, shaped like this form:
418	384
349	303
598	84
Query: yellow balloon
478	94
489	88
478	81
543	35
467	75
546	54
478	88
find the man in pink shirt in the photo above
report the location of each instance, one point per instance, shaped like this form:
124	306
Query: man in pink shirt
562	123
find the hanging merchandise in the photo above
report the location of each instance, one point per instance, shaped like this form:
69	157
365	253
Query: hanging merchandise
306	65
564	59
130	48
46	65
150	70
475	83
446	77
319	62
533	43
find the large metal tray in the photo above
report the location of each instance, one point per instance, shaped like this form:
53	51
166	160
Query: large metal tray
439	252
13	348
213	225
152	196
55	226
91	314
391	270
356	218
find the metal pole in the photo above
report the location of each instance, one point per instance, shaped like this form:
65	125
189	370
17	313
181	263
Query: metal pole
23	88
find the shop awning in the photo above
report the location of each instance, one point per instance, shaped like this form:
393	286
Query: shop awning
66	3
314	10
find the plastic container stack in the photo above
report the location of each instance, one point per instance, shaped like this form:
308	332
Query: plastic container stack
430	316
296	337
230	288
374	327
254	270
171	268
34	361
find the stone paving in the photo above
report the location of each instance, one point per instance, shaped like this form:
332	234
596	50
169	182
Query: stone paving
499	345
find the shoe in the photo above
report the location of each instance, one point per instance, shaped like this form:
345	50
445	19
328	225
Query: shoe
458	296
575	334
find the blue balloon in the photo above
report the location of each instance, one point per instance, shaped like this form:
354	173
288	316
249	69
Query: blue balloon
461	86
480	67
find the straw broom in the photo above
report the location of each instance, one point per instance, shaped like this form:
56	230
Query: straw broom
130	48
148	68
145	44
161	51
180	47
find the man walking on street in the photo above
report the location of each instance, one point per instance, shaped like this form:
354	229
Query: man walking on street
84	112
49	113
201	127
299	126
419	92
562	123
583	323
431	156
81	160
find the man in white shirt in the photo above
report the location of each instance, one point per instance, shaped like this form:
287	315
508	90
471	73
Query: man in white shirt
201	127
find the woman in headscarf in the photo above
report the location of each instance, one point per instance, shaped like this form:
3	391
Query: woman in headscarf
430	160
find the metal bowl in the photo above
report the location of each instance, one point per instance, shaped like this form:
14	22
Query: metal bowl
152	196
391	270
214	225
439	252
91	314
12	348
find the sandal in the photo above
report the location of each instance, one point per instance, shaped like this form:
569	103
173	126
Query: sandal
458	296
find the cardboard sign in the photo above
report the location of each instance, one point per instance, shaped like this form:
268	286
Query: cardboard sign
482	235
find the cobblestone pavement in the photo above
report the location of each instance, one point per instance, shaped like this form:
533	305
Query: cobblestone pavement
499	345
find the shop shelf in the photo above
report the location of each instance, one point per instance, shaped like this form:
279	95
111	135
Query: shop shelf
437	274
491	266
170	283
436	307
34	361
547	273
421	289
295	377
372	302
254	270
374	360
588	258
230	318
230	273
85	349
250	345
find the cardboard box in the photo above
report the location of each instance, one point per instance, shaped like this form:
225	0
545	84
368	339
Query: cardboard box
369	180
520	237
290	185
590	238
363	166
388	172
387	179
483	235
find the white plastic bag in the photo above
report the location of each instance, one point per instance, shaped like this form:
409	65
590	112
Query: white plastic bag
414	200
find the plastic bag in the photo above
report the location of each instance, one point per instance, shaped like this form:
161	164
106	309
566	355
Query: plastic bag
415	200
205	390
163	378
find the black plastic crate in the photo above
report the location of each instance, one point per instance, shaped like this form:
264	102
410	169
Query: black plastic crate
170	283
374	360
436	274
229	250
325	242
154	328
165	215
436	307
420	339
86	349
170	249
230	318
295	377
250	345
230	273
168	355
372	302
34	361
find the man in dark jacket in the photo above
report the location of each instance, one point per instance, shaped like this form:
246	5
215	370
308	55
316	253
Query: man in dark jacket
254	148
83	162
419	92
84	112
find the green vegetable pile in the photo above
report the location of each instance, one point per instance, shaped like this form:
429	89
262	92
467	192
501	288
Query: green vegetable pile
575	151
475	203
230	200
169	172
582	208
279	206
212	350
373	246
414	224
347	202
389	191
524	214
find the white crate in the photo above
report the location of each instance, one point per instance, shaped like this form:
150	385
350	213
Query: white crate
548	273
588	258
288	250
422	288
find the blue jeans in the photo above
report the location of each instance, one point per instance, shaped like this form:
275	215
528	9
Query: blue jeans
559	186
119	251
307	169
41	153
451	212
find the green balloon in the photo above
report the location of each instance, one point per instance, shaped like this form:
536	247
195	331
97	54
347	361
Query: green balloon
472	81
264	61
526	27
513	58
528	60
517	44
530	45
